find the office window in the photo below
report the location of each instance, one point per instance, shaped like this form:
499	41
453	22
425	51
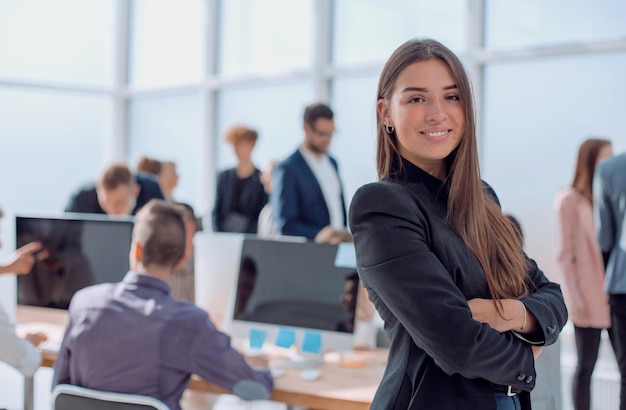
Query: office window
51	144
275	111
534	125
169	128
166	42
369	31
514	23
66	41
265	36
354	145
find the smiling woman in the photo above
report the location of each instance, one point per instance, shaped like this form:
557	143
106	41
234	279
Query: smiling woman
431	117
433	247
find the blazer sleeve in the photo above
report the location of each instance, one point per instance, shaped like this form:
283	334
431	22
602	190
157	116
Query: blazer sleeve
286	204
396	262
545	302
84	200
604	218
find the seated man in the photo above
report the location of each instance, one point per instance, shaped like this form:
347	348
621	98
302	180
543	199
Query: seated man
117	192
134	337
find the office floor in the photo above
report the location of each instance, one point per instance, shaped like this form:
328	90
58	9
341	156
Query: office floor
605	385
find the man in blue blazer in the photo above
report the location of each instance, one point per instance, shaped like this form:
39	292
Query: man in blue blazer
307	197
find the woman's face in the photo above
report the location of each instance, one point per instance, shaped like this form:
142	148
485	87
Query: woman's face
427	114
243	149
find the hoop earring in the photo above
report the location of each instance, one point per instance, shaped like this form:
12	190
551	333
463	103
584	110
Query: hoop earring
389	129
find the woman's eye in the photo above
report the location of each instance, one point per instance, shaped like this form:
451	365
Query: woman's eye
416	100
453	98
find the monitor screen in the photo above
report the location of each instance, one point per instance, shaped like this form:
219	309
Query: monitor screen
78	250
295	284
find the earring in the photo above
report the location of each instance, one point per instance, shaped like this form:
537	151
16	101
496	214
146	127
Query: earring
389	129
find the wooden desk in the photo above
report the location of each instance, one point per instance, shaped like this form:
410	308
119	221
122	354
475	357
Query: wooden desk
338	387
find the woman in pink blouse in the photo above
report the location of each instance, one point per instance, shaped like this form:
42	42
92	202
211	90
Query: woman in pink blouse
582	267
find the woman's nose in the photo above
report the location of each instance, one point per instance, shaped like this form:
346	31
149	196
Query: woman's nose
436	111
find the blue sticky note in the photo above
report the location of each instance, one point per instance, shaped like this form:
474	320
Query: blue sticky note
285	338
256	338
312	342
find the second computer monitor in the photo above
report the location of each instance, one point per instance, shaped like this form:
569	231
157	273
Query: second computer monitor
296	285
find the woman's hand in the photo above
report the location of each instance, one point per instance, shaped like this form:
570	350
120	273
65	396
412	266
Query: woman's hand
512	318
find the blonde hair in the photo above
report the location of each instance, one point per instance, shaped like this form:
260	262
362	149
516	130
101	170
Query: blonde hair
240	133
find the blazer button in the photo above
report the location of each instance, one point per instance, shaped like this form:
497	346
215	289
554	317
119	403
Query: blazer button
529	379
521	377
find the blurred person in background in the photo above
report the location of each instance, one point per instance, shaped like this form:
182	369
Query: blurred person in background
307	196
581	266
609	194
267	226
240	194
164	171
19	353
117	192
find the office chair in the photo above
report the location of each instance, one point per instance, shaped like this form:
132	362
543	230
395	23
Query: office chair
69	397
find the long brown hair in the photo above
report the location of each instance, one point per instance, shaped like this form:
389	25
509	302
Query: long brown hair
588	153
472	213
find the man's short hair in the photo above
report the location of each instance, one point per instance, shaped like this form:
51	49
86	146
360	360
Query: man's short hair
114	176
315	111
160	228
240	133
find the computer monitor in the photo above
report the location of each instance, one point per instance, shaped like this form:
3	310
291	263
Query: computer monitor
296	286
78	250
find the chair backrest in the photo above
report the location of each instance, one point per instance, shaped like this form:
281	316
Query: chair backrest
69	397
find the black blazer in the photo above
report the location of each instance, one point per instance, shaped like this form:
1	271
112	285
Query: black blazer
419	275
252	199
298	204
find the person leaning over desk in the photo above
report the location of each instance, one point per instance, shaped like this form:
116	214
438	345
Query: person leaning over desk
466	311
134	337
117	192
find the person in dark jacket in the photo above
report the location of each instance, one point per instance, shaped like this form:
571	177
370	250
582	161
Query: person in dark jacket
117	192
240	193
466	311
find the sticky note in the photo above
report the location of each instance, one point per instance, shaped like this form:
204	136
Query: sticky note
256	338
286	337
312	342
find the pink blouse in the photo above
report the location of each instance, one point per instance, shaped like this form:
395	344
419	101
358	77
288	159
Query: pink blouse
580	262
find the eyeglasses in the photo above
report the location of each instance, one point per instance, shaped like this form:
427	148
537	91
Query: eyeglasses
322	134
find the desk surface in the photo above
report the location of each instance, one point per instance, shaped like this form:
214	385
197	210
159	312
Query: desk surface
340	386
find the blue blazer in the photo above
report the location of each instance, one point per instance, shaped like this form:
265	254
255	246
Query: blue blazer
297	200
